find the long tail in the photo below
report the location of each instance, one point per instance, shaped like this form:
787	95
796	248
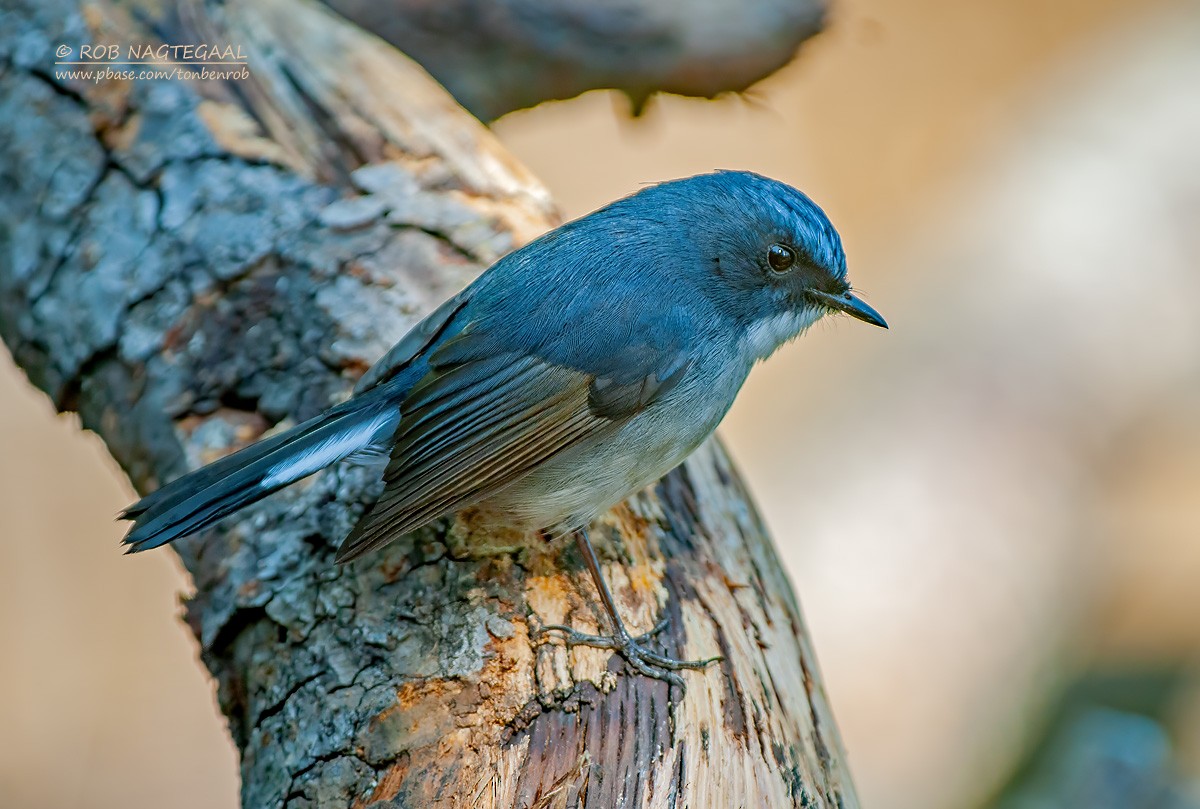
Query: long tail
200	498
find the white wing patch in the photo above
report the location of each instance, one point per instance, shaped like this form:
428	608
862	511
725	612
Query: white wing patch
355	438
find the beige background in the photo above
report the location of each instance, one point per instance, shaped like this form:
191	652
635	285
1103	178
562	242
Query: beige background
960	544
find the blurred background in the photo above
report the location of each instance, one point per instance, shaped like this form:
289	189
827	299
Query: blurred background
991	513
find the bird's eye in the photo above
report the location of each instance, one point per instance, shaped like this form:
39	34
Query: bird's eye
781	257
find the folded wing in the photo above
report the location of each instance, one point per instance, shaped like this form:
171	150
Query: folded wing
479	422
467	433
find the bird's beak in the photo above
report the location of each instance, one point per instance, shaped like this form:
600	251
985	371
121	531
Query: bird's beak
851	304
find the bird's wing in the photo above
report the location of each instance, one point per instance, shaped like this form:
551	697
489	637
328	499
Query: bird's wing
479	421
412	345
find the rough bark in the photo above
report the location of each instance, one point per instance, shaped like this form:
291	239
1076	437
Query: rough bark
188	265
496	56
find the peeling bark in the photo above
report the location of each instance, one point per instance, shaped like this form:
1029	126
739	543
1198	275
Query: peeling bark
189	265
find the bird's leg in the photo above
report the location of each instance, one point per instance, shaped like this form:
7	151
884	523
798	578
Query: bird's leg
651	664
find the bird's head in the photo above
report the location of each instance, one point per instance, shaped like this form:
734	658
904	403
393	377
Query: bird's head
766	255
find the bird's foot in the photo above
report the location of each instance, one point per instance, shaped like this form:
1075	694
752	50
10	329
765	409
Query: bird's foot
651	664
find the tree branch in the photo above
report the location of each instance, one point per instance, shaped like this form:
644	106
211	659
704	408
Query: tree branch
502	55
189	265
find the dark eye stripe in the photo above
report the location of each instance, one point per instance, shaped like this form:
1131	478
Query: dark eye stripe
780	257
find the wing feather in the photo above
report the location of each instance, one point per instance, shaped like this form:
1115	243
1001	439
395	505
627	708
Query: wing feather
486	476
430	427
485	415
519	422
454	449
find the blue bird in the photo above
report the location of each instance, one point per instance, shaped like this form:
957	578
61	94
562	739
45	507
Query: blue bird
572	373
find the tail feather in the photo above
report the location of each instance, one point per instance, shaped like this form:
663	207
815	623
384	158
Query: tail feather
175	492
200	498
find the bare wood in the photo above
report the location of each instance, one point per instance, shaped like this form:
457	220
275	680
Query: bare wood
188	266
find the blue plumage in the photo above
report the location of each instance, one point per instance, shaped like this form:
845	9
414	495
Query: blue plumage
575	371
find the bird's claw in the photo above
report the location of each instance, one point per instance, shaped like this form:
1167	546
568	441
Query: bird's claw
651	664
